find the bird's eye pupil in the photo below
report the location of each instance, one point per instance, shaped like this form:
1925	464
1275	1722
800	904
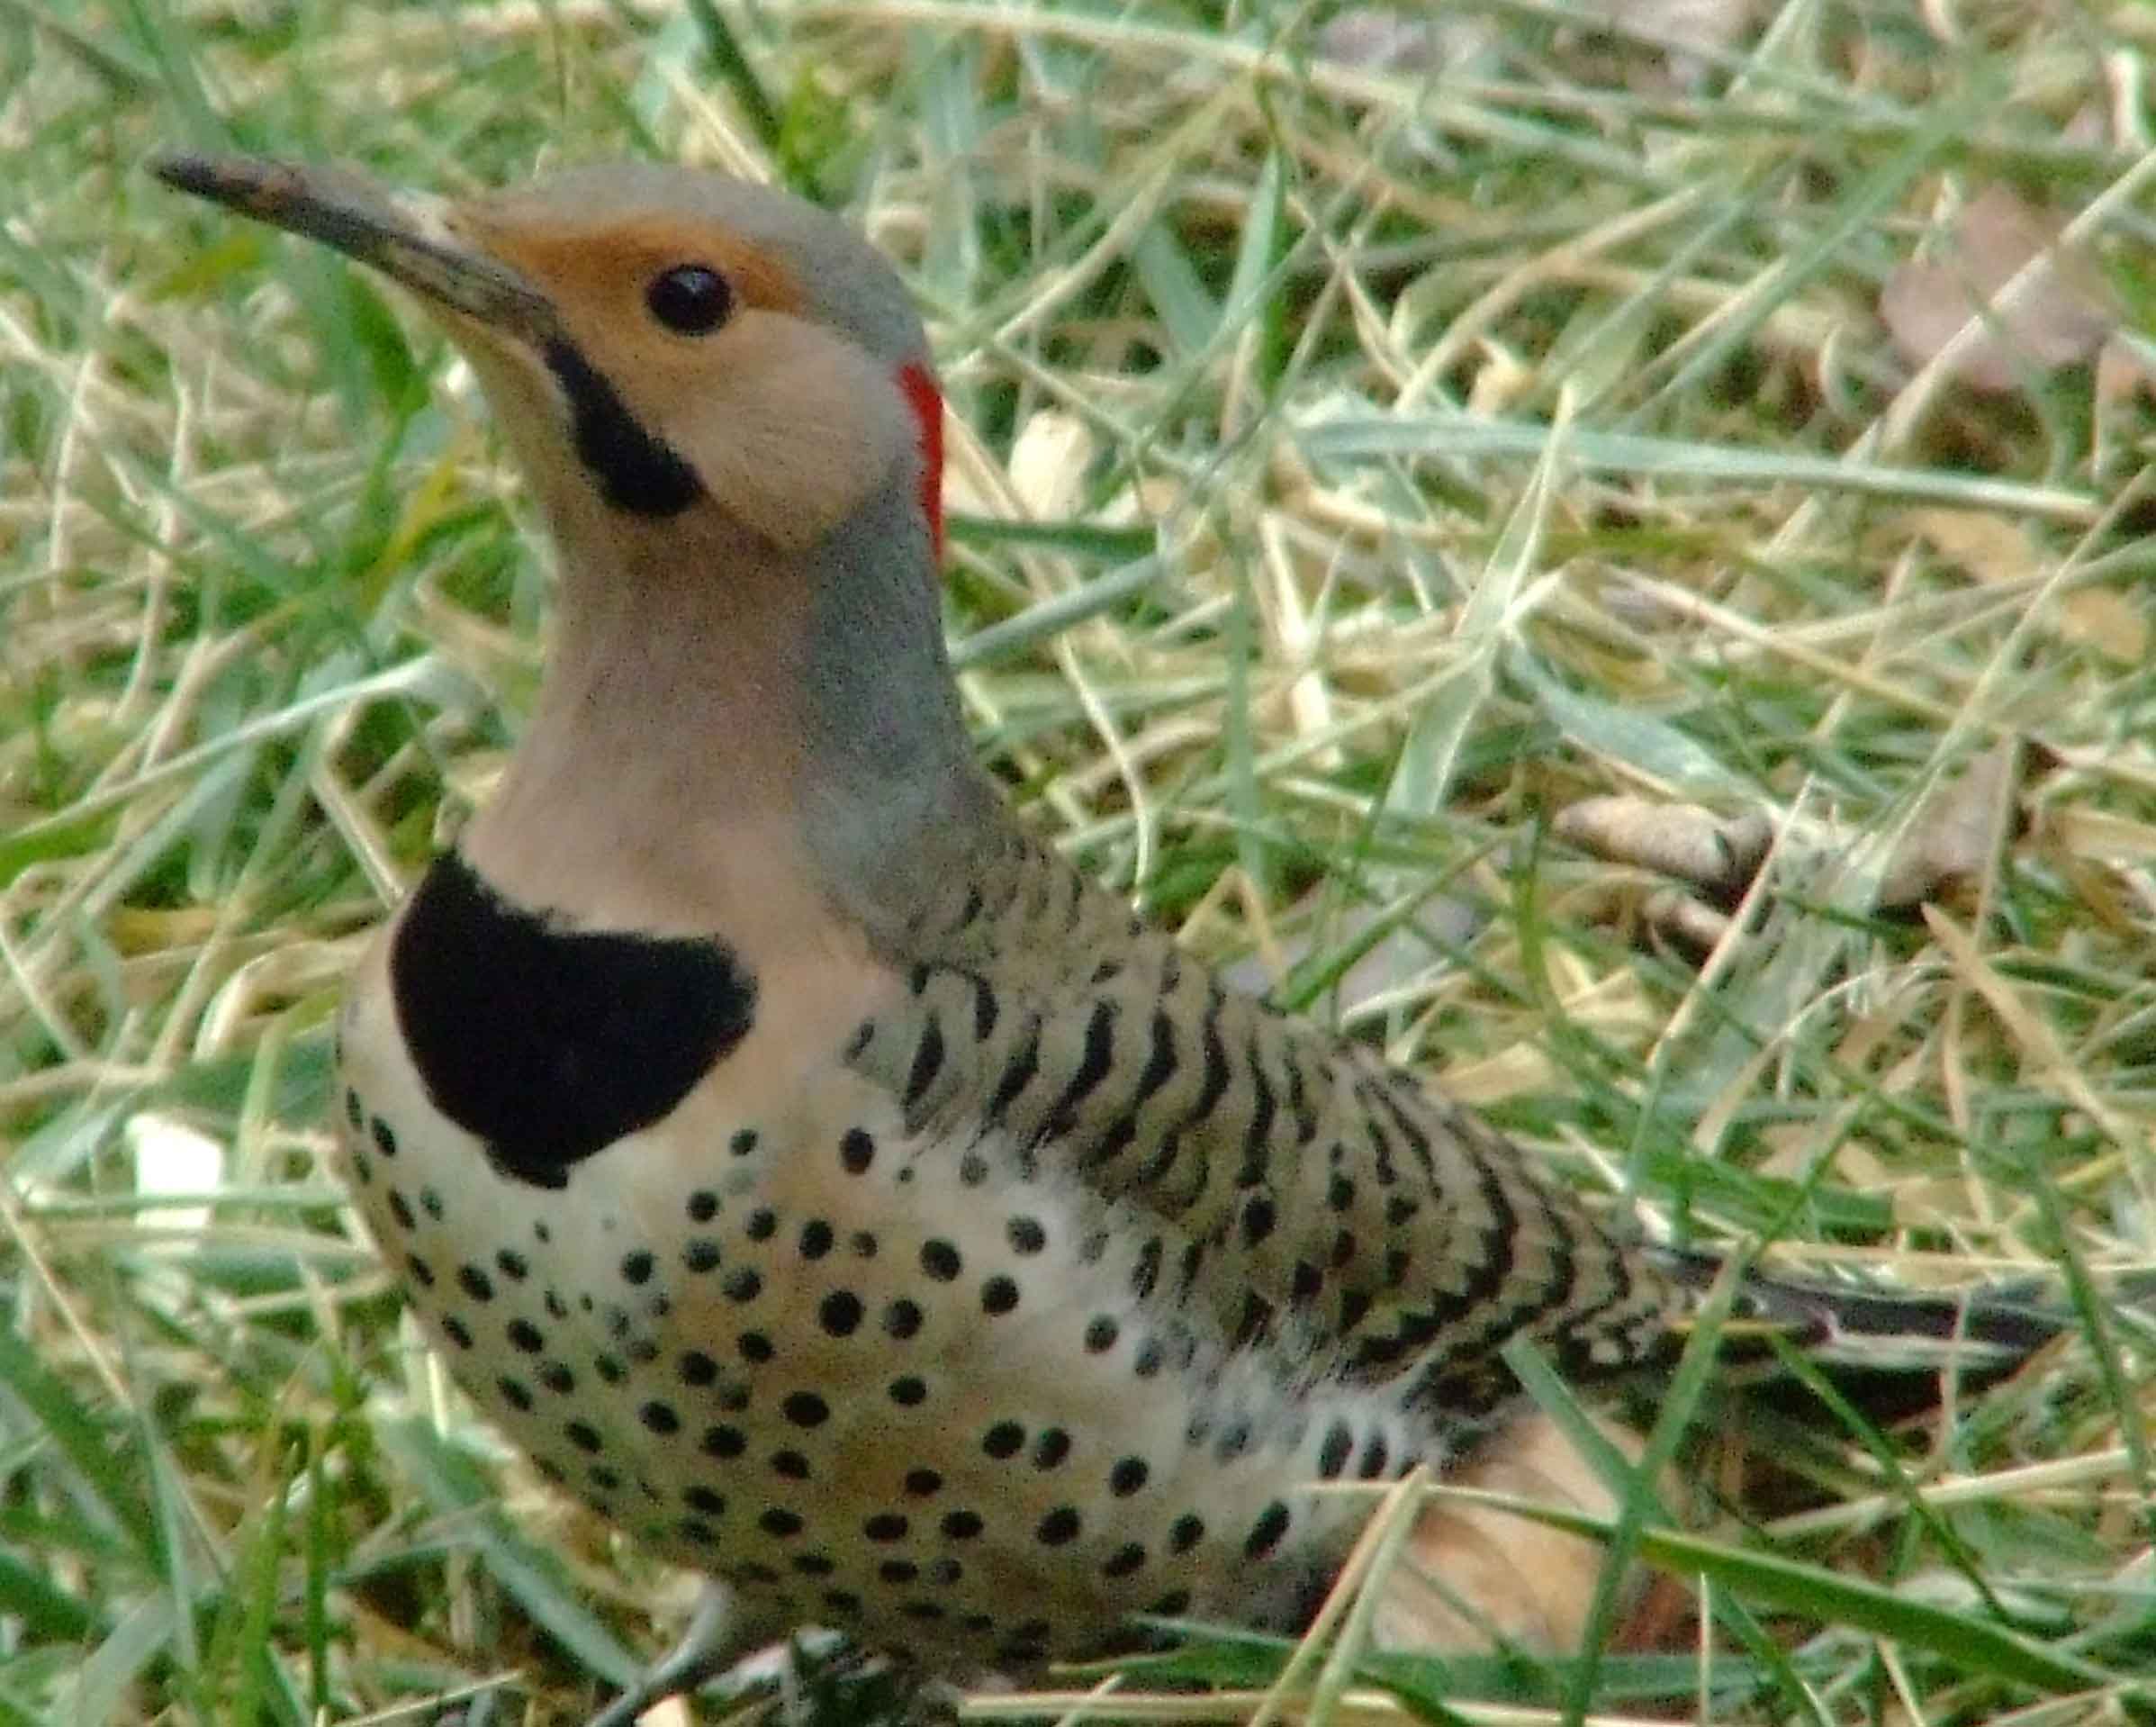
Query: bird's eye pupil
692	299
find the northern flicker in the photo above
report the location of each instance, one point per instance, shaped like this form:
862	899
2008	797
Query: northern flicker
801	1160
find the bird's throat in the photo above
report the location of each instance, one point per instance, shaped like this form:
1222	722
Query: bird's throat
729	734
737	760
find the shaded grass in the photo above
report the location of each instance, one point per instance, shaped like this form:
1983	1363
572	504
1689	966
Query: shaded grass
1351	468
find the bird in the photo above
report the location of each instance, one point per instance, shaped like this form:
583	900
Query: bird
800	1160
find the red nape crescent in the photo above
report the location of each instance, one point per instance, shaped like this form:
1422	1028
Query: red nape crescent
927	403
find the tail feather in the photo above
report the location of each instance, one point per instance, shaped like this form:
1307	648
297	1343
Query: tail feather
1889	1353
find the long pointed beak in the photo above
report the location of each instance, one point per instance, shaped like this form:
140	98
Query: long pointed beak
403	237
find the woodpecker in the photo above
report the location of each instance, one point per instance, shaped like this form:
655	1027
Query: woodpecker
813	1173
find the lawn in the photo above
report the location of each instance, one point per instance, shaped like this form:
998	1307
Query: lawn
1599	546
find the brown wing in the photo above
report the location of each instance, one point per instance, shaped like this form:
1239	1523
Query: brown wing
1301	1186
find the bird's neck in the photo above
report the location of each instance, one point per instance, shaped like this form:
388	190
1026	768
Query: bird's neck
726	732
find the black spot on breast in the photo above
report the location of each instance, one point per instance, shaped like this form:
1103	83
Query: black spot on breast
1266	1532
1060	1526
635	472
857	1151
806	1409
550	1044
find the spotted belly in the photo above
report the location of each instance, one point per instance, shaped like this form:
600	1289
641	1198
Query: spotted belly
886	1388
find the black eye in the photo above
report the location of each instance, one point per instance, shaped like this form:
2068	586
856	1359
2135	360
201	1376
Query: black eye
691	298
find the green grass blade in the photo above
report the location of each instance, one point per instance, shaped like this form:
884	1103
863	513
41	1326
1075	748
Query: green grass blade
529	1574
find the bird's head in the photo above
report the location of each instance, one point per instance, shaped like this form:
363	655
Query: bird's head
721	397
663	340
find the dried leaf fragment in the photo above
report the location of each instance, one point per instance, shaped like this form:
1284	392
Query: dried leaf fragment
1473	1573
1717	854
1957	834
1698	24
1377	39
1989	547
2059	318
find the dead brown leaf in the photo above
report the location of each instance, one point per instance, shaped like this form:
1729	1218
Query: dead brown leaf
1472	1572
1697	24
1958	833
1993	549
1988	547
2122	371
1690	924
1375	39
1717	855
2061	318
2107	621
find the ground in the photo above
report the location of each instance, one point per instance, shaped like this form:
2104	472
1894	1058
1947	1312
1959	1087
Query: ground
1376	434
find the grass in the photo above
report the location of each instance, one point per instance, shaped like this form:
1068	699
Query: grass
1355	468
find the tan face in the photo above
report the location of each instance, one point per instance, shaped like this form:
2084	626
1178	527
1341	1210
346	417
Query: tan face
646	362
706	341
